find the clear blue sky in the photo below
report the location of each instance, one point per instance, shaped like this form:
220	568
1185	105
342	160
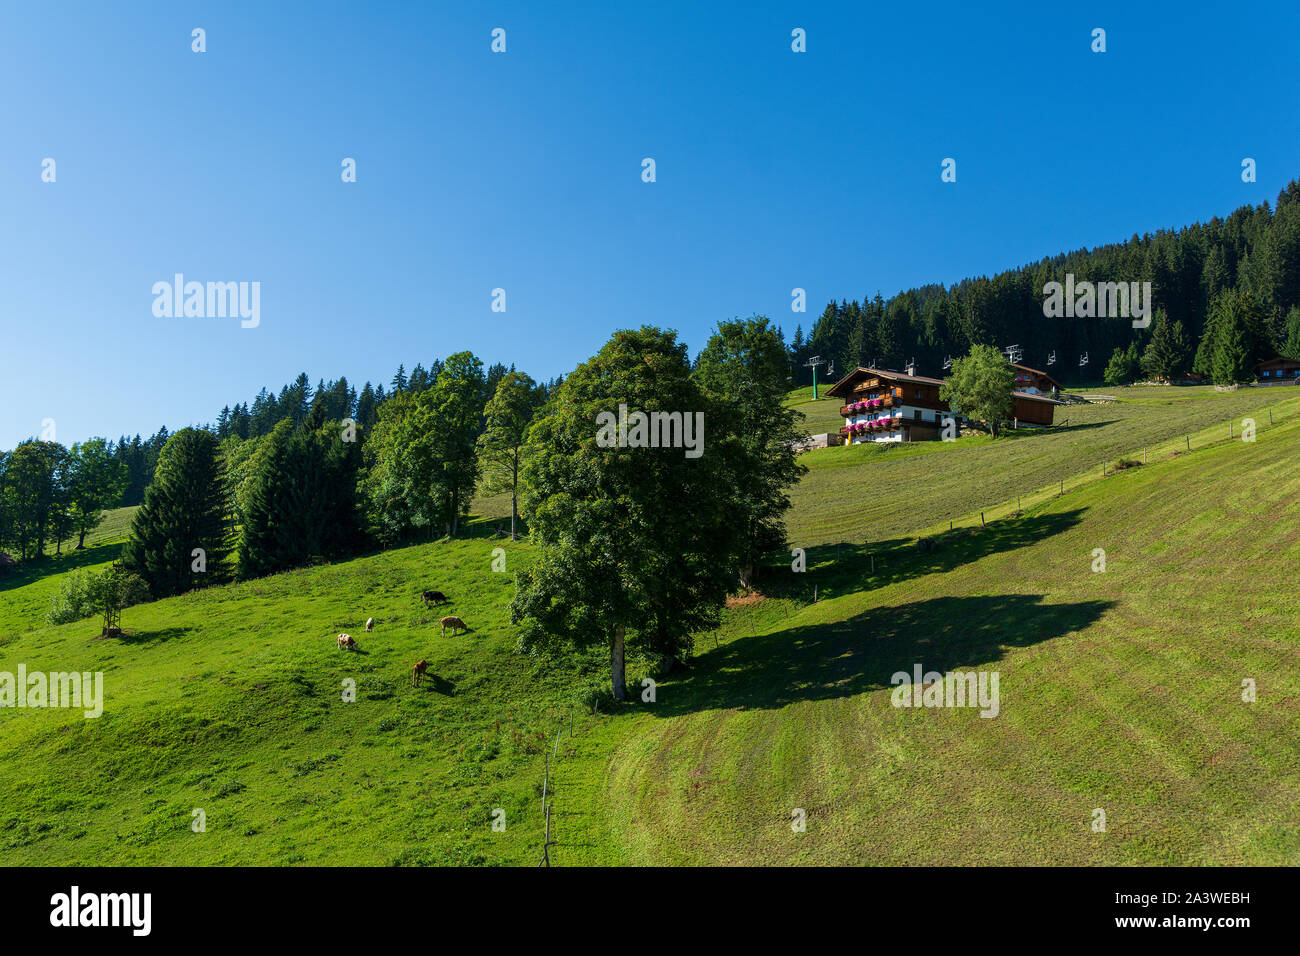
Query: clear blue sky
523	171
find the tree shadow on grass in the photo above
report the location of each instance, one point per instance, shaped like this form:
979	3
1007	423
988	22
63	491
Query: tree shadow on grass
148	637
838	569
1062	426
25	572
860	654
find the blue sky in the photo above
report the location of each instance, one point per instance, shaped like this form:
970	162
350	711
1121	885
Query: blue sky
522	170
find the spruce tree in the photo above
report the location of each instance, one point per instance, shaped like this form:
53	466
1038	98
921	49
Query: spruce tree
1166	353
184	509
302	503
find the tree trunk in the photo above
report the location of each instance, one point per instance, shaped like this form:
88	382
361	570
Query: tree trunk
514	495
746	575
617	678
81	541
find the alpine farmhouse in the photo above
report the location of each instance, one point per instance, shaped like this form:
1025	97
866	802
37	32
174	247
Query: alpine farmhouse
880	405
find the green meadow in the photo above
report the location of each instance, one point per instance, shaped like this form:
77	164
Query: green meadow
1120	690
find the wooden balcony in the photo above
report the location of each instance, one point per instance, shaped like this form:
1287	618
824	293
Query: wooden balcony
887	401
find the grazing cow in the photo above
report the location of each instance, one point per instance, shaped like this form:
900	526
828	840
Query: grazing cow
417	672
435	597
346	642
370	623
453	623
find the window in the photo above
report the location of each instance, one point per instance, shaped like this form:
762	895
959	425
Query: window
917	414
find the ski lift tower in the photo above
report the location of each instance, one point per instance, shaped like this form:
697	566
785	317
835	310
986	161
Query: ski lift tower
1051	358
1014	354
813	363
1083	360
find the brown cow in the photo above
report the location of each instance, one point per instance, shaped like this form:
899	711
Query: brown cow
417	672
347	643
435	597
453	623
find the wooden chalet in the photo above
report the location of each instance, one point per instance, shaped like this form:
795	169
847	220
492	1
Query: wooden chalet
1034	382
881	405
1278	370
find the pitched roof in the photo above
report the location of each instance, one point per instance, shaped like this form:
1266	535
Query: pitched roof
1030	396
1034	371
883	373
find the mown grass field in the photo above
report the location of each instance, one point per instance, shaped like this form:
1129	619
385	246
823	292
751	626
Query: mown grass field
870	492
1119	690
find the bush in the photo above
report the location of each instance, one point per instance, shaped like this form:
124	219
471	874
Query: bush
83	594
75	600
597	697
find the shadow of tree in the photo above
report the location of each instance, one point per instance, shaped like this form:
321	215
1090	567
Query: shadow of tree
148	637
838	569
25	572
860	654
1064	426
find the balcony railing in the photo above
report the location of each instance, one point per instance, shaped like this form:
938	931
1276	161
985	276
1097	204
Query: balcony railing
867	405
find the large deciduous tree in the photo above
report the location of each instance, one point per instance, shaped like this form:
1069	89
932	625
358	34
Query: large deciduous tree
508	416
744	372
635	544
423	453
980	387
98	480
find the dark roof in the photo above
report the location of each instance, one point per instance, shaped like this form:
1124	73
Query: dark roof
1034	371
1279	360
883	373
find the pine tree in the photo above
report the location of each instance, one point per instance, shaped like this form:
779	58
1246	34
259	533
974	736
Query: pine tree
1166	353
1291	345
1232	363
184	509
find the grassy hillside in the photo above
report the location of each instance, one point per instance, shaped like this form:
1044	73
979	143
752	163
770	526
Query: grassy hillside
26	592
1120	690
230	700
904	487
820	416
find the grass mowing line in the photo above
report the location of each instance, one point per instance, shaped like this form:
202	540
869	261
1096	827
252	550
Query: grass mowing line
1133	708
1207	437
